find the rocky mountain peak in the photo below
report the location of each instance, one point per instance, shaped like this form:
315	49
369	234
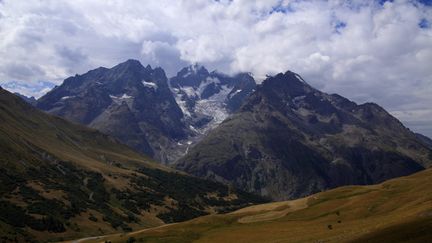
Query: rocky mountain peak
285	92
191	76
288	84
197	69
29	99
130	64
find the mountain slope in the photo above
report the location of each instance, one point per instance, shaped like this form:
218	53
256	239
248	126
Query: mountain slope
130	102
60	180
424	139
398	210
290	140
30	100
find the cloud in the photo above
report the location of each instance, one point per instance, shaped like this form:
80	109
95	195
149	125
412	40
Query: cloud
22	70
377	51
160	54
36	89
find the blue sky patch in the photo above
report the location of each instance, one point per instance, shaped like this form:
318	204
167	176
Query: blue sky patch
36	89
426	2
339	26
280	8
381	2
424	24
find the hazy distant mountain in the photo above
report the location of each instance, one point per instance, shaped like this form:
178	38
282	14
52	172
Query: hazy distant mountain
60	180
129	101
30	100
289	140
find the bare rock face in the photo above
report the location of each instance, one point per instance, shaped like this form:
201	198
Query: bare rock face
289	140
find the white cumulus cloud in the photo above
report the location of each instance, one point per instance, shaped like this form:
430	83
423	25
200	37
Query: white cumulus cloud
379	51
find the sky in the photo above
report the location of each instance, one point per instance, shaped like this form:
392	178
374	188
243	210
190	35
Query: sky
368	51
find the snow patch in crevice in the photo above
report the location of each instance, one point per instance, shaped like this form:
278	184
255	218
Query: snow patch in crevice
187	74
182	104
122	97
118	100
189	91
232	94
298	98
193	128
66	97
300	78
125	96
150	85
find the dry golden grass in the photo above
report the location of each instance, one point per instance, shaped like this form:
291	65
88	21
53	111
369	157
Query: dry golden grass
399	210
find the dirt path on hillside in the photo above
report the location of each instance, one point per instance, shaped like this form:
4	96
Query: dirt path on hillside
102	238
271	211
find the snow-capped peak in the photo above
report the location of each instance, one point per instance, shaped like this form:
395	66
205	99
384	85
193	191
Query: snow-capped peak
194	69
300	78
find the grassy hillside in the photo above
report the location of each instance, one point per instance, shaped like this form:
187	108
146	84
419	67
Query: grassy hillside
60	180
398	210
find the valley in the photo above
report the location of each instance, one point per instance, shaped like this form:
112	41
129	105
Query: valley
229	143
398	210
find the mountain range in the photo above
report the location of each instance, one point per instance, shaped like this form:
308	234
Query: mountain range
95	149
289	140
139	106
282	139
